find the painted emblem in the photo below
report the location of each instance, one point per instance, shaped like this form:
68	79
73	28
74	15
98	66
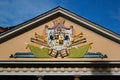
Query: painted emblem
60	41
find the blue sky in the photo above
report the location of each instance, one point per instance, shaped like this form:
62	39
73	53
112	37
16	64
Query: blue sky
103	12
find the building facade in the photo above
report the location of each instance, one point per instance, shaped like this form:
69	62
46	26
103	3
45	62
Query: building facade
59	43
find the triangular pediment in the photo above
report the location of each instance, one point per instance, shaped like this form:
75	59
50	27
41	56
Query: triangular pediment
60	34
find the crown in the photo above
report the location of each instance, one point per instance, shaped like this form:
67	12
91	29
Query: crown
58	21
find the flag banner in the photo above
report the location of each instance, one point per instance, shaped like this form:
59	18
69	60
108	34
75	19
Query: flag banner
63	53
38	52
78	52
53	53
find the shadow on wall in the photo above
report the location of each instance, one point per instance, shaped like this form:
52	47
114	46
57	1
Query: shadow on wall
100	77
13	77
101	68
102	71
64	77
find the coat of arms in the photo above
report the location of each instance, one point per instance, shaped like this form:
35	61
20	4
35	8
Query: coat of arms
61	41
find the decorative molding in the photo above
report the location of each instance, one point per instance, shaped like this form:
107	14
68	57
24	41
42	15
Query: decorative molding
32	69
69	69
1	69
60	71
16	69
47	69
40	69
8	69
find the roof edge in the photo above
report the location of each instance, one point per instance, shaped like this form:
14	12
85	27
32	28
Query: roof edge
99	29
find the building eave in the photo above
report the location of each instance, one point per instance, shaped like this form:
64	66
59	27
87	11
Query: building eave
59	68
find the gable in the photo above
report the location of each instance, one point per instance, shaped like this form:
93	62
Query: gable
99	43
102	41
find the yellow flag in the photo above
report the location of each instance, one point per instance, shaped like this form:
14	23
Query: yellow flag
38	52
78	52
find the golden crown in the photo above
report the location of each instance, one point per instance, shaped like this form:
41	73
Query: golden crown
58	21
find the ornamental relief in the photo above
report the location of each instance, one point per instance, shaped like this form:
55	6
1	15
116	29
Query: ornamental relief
59	41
